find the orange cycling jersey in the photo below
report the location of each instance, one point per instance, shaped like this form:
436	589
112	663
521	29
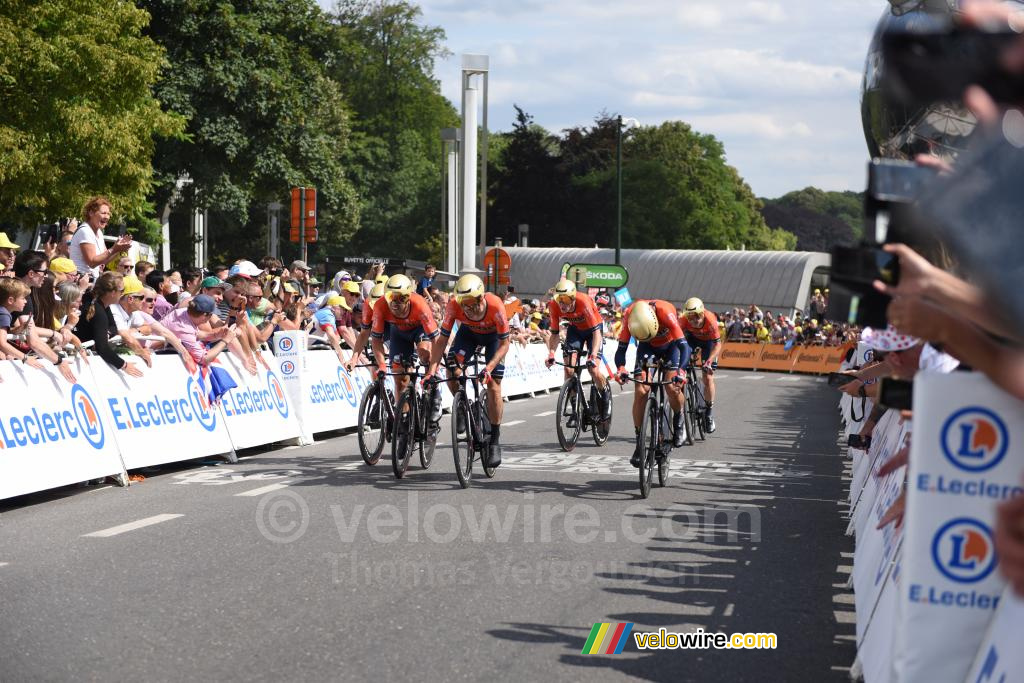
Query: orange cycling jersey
419	316
668	324
707	331
494	321
367	316
584	316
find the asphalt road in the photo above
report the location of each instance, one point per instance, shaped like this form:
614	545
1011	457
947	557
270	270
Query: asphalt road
304	564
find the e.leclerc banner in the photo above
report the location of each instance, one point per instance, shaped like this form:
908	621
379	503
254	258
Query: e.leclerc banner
966	457
258	410
163	416
52	432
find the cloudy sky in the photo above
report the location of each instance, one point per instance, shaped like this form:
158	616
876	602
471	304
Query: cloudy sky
777	81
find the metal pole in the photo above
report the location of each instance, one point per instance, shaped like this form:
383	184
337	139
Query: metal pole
618	193
469	178
483	180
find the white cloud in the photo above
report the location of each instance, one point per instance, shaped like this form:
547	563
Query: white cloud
749	124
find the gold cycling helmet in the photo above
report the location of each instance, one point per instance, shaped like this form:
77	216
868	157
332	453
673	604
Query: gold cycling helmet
467	288
643	321
693	306
398	286
376	293
565	291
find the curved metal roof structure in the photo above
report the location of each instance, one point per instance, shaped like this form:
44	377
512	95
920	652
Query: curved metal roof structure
774	280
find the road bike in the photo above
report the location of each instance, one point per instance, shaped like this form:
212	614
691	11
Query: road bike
576	414
655	437
696	411
376	419
413	427
471	426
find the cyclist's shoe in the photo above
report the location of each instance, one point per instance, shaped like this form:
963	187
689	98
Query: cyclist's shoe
679	431
605	402
572	421
460	422
493	454
709	422
638	456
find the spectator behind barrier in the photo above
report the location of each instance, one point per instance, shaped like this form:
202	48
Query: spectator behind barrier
30	268
97	325
88	250
13	297
184	323
142	322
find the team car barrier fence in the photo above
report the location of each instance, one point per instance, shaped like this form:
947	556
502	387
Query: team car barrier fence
54	433
930	604
776	358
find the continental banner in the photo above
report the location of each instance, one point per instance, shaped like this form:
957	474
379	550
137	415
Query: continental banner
775	357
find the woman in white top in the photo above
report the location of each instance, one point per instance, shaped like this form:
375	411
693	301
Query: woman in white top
88	250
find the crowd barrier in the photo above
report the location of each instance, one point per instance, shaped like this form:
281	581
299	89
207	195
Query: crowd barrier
776	358
54	433
930	604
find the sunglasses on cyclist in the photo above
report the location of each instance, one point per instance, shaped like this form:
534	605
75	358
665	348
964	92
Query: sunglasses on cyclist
397	298
471	301
565	299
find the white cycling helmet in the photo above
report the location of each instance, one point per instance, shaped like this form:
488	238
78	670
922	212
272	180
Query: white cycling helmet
643	321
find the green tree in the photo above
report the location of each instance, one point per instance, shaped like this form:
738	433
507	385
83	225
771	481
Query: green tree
818	218
263	114
385	61
77	112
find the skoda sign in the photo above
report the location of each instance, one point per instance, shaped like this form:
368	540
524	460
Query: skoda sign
603	275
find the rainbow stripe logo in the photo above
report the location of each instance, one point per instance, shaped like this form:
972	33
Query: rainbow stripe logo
607	639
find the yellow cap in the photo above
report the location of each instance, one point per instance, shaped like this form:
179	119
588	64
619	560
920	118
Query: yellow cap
338	300
62	265
350	287
131	285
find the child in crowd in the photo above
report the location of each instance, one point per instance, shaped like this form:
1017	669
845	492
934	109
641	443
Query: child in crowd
13	298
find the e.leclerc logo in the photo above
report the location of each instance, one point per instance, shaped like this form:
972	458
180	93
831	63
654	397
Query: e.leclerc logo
963	550
287	368
204	413
88	416
285	344
974	439
277	394
81	418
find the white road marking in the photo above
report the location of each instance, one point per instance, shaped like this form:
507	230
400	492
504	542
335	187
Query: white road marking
513	423
131	526
4	564
545	413
720	376
752	377
264	489
796	378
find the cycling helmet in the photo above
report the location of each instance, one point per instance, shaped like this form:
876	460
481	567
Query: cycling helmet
693	306
643	321
376	293
398	285
565	290
468	286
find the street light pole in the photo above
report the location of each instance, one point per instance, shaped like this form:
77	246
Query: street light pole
618	183
618	191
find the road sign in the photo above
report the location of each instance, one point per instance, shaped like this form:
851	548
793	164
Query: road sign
497	264
303	213
604	275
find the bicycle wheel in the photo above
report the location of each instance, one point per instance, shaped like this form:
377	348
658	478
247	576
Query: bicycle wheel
569	406
698	410
602	427
430	431
463	446
649	440
688	421
405	433
371	424
662	462
480	406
